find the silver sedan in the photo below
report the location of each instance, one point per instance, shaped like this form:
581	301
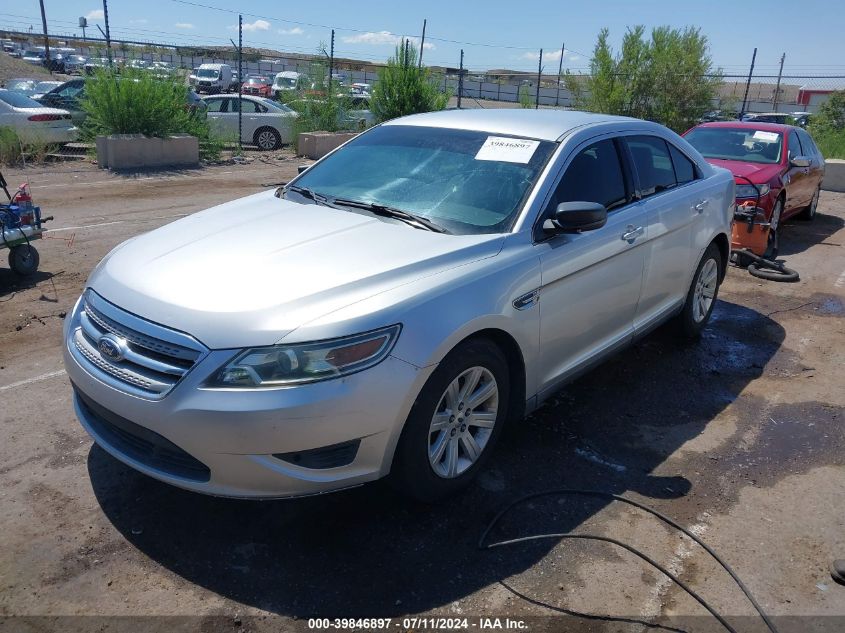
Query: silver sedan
388	311
264	123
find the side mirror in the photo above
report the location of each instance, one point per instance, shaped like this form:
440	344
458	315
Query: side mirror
302	168
799	161
575	217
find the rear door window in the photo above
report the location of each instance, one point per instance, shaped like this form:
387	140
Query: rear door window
653	164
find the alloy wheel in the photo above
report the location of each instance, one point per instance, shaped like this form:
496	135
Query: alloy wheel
266	140
705	290
463	422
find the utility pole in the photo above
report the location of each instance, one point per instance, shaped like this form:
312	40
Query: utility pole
331	66
777	88
539	76
559	73
460	79
240	80
46	39
422	44
748	83
108	33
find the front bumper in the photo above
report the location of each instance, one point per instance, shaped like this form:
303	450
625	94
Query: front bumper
239	435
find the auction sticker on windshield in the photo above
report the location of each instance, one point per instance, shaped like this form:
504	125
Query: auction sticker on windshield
507	150
770	137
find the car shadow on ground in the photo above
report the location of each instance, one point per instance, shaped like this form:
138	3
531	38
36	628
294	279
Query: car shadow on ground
368	552
797	235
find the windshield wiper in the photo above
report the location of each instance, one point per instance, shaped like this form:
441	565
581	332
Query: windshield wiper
392	212
305	192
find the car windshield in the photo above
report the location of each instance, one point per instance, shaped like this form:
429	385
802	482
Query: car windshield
17	100
20	84
286	82
45	86
208	73
465	181
260	81
743	144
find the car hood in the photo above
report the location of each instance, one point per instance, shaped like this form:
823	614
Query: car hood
251	271
758	173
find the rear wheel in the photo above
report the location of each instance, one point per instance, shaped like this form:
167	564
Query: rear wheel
702	294
267	139
454	423
809	211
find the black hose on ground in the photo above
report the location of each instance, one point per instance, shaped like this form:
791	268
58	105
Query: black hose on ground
669	521
763	268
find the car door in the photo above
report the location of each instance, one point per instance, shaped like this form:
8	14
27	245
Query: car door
798	178
816	161
590	281
250	121
663	175
219	118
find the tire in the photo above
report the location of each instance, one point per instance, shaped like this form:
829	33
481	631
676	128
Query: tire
431	464
783	273
24	259
809	212
267	139
774	232
699	306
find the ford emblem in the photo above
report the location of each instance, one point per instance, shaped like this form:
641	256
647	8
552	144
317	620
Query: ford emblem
112	347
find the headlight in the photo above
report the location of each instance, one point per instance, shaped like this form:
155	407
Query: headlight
306	362
748	191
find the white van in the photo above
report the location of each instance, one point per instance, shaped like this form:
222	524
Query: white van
212	78
287	80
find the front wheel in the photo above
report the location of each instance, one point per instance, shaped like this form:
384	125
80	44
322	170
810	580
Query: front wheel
454	423
702	294
23	259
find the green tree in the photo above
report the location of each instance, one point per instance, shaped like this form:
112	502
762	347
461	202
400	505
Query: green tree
827	126
405	88
668	77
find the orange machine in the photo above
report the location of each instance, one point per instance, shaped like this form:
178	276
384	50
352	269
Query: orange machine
751	229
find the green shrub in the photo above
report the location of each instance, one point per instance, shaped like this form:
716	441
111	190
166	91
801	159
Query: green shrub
138	102
828	126
525	100
405	88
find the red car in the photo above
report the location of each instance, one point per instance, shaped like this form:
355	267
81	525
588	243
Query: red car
780	162
258	85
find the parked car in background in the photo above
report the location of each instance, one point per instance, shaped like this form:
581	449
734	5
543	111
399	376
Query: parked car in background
43	87
75	64
264	123
287	81
67	96
802	119
32	122
212	78
94	64
396	304
258	85
34	56
360	90
138	64
162	70
784	118
781	163
23	86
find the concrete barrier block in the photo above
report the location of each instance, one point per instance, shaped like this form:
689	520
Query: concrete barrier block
315	145
135	151
834	175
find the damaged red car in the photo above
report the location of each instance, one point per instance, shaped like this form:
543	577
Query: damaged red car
778	170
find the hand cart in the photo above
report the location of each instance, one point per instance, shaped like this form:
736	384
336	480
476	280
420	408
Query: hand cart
20	225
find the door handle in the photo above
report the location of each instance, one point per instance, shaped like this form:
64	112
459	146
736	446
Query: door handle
632	233
700	206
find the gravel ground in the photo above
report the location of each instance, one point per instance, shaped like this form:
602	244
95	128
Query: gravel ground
739	436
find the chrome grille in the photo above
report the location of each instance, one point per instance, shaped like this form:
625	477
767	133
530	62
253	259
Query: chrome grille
154	358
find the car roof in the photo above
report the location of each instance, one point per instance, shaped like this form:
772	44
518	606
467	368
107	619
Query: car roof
546	124
765	127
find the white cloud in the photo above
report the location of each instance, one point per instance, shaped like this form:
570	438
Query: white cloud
184	25
377	38
294	31
96	14
551	56
258	25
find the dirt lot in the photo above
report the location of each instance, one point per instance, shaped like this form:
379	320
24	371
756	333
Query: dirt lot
739	437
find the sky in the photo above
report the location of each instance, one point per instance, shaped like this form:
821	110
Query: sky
492	33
